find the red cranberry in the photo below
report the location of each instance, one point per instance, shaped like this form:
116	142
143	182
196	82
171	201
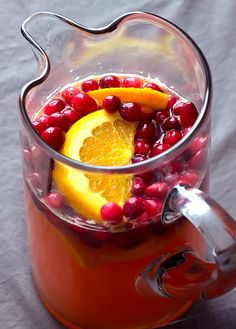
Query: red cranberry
111	213
143	219
111	104
153	208
89	85
157	190
55	105
109	81
131	111
146	114
160	116
189	178
138	158
141	147
138	186
171	179
171	123
186	131
54	199
198	144
59	120
134	82
69	93
146	130
158	149
172	137
84	104
71	115
188	114
153	86
41	123
133	207
198	161
171	101
177	164
54	137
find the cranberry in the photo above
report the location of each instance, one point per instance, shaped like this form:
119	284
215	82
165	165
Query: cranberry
146	130
189	178
171	101
138	158
138	186
89	85
198	144
134	82
153	208
69	93
131	111
146	114
59	120
153	86
111	104
186	131
41	123
160	116
84	104
111	213
188	114
177	164
133	207
158	149
109	81
157	190
171	123
54	199
54	137
172	137
198	161
171	179
71	115
55	105
143	219
141	147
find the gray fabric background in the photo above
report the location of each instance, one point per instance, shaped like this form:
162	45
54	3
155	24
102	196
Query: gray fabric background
212	25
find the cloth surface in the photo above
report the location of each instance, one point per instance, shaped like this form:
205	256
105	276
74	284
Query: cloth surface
212	25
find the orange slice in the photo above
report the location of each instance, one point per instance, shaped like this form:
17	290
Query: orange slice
97	139
146	97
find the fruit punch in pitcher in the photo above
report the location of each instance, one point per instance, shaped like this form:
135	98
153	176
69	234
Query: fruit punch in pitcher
112	162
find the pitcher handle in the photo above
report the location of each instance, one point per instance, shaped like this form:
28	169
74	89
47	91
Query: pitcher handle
183	274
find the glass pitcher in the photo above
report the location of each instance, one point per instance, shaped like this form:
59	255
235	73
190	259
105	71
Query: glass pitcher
90	276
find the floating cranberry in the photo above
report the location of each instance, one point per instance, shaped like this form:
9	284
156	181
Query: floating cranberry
146	130
138	186
171	123
188	113
171	101
111	104
111	213
41	123
172	137
131	111
153	208
157	190
71	115
141	147
153	86
59	120
109	81
54	199
84	104
89	85
134	82
54	137
55	105
69	93
189	178
158	149
133	207
138	158
160	116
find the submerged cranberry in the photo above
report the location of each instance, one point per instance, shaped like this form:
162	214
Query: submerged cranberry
109	81
89	85
188	113
84	104
157	190
138	186
141	147
153	208
55	105
171	123
131	111
54	199
69	93
133	207
172	137
134	82
198	161
158	149
111	213
153	86
59	120
111	104
146	130
54	137
189	178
